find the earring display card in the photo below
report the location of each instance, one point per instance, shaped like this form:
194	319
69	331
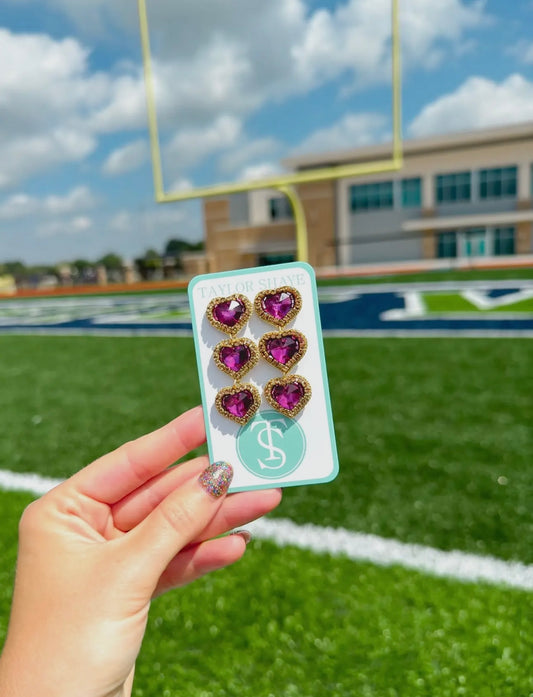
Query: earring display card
273	423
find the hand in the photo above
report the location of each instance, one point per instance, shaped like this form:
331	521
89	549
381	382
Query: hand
95	550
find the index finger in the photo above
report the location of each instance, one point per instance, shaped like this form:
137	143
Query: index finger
123	470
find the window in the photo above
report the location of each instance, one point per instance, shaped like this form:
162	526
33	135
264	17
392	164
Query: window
365	197
411	192
269	259
446	245
497	183
280	208
453	187
504	240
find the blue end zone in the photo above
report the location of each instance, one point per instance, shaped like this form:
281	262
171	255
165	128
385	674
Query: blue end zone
373	309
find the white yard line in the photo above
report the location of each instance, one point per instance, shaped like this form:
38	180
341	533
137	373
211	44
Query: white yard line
32	483
353	545
482	302
387	552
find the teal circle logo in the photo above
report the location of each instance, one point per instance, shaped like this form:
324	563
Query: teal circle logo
271	445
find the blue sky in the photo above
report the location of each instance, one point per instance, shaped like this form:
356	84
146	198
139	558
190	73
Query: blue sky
241	85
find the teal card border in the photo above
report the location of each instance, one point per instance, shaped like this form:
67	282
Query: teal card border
242	272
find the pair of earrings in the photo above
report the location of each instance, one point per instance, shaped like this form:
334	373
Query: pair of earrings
282	349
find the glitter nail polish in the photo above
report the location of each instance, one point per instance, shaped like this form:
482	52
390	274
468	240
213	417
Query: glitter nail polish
216	478
246	536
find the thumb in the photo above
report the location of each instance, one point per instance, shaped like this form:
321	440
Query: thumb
178	520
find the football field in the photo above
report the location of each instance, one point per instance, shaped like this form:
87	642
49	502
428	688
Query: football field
435	448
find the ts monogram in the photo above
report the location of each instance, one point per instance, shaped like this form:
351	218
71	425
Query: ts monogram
271	445
267	430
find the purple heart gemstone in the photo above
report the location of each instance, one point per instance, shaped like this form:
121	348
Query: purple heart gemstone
278	305
238	404
235	357
229	312
283	348
288	396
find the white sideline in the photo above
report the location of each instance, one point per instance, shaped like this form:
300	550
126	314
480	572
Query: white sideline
353	545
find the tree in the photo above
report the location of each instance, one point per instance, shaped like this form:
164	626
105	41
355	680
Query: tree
175	247
82	265
152	259
111	261
148	263
14	268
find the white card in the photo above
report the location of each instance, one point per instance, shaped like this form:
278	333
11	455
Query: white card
272	449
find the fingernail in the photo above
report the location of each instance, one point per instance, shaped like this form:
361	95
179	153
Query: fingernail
246	536
216	478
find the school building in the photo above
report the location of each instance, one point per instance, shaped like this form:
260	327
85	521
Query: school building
459	196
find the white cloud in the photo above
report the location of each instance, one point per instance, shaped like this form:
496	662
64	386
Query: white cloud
309	42
190	145
262	170
477	103
523	50
125	159
181	184
355	37
22	205
45	93
216	64
431	29
248	151
124	108
351	131
80	198
71	226
122	221
153	225
213	60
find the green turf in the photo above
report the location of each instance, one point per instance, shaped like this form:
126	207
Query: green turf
435	276
454	302
434	435
289	623
435	446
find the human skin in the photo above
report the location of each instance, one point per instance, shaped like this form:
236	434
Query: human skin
95	550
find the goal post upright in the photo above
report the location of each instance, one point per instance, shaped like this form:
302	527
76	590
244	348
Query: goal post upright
284	183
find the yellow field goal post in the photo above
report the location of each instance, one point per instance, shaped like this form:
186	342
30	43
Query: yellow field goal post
283	183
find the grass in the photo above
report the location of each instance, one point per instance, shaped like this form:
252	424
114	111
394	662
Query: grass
454	302
521	274
287	623
435	445
431	426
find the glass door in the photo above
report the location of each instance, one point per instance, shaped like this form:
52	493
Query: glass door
474	243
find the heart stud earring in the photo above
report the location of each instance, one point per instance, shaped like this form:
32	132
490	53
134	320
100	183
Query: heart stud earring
235	357
238	402
229	315
288	394
283	349
278	306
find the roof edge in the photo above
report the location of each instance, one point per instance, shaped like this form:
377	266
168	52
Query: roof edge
448	141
